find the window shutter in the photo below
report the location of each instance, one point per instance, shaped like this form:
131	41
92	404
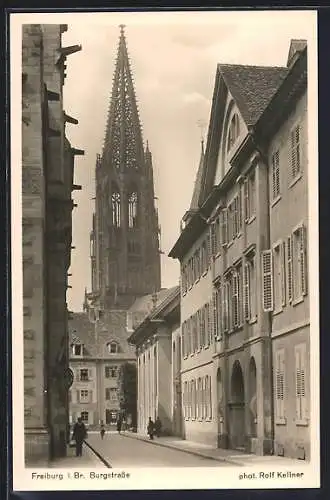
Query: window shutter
215	315
208	250
184	339
292	157
213	239
298	382
303	259
279	383
90	374
246	291
304	405
226	307
78	397
267	280
224	227
210	398
235	299
239	209
290	269
219	313
246	200
78	375
283	277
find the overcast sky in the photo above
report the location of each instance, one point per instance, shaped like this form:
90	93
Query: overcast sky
173	58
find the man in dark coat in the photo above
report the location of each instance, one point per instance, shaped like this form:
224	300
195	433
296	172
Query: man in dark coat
79	434
151	428
158	427
119	423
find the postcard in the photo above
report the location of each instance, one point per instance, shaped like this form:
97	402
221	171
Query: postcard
164	201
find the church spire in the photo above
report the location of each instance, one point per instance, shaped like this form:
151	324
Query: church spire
123	145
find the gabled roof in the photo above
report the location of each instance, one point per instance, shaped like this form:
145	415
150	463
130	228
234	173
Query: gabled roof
252	87
95	336
194	205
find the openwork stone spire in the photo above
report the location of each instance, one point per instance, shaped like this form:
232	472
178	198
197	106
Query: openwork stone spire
123	146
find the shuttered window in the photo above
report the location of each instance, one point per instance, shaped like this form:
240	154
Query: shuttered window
299	262
300	375
218	314
295	152
215	315
246	291
275	175
279	384
246	200
224	226
289	269
235	299
267	280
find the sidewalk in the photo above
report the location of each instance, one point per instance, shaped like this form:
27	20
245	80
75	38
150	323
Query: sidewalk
88	460
236	458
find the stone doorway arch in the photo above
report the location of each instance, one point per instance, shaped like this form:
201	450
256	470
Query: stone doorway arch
237	408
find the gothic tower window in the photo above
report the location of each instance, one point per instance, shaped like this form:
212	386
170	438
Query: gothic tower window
132	209
115	202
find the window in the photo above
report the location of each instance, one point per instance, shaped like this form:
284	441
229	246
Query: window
132	209
276	175
199	399
267	280
202	327
112	347
300	375
77	349
115	204
111	371
224	226
208	396
185	400
84	417
250	289
207	325
295	152
111	393
84	375
279	386
249	197
234	218
299	263
84	396
233	132
217	314
279	276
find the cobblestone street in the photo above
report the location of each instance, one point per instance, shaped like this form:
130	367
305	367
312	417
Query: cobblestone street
120	451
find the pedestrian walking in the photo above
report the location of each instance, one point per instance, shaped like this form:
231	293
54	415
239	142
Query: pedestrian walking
102	431
151	428
79	434
119	423
158	427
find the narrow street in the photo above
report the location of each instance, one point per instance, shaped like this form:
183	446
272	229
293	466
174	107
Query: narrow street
121	451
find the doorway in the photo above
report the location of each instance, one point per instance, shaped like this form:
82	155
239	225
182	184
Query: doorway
237	409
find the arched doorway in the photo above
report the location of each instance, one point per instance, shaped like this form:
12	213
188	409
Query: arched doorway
237	408
253	397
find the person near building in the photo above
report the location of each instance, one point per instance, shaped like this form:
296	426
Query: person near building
151	428
79	434
102	430
119	423
158	427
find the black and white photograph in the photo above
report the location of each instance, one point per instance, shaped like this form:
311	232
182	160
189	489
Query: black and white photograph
164	214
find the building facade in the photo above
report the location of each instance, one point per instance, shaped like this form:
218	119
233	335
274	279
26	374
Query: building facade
158	393
97	350
124	251
242	249
47	183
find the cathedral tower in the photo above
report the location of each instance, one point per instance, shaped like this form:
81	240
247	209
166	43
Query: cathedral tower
125	255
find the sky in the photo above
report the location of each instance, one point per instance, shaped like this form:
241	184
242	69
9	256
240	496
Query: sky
173	60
